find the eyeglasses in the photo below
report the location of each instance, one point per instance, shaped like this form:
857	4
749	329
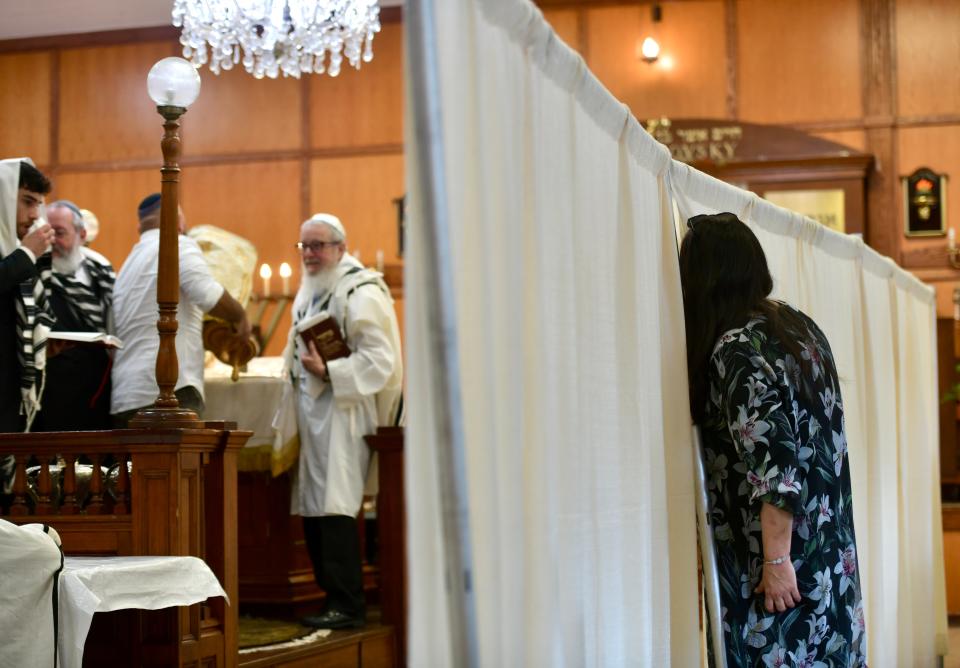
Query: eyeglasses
316	246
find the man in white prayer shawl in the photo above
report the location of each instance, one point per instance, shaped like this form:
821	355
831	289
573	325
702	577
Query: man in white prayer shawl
24	319
338	402
22	325
30	563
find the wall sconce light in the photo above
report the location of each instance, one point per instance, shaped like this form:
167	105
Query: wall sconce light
649	50
953	253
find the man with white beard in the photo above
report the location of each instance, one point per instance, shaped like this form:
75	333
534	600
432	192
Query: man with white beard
338	402
77	392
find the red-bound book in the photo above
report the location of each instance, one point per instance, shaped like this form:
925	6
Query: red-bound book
323	330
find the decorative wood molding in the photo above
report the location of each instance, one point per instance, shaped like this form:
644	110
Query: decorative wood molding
589	4
926	121
733	57
951	517
391	14
583	35
878	90
103	38
929	257
941	274
875	122
305	140
234	158
54	155
877	54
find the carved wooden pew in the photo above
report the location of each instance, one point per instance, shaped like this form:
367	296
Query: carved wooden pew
179	498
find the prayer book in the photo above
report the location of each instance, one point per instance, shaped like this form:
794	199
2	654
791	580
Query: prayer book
96	338
323	330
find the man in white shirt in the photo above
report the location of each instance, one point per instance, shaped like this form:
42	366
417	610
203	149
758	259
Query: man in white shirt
135	315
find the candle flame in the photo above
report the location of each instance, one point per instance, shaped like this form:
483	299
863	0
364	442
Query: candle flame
285	270
265	271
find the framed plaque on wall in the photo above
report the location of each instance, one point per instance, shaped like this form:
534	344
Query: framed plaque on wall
924	203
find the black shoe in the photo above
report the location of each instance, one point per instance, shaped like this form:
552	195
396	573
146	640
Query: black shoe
333	619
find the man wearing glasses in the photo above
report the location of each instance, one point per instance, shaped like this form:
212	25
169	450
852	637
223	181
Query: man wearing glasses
339	401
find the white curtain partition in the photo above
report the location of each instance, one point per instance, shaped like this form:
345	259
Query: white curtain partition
569	325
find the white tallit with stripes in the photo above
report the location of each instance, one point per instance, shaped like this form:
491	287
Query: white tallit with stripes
34	318
91	304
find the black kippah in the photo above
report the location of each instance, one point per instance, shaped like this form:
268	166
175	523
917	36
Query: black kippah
149	204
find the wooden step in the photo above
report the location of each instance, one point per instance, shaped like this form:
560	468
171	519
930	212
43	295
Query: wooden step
374	646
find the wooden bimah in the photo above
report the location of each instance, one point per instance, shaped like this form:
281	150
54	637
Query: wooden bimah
134	493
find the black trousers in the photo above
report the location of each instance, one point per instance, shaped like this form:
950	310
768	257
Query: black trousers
335	552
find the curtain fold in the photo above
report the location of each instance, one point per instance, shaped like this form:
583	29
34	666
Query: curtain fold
569	324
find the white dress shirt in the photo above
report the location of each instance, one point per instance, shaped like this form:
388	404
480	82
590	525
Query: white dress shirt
135	313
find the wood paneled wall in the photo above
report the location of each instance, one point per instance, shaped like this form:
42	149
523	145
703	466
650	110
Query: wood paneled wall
259	156
876	75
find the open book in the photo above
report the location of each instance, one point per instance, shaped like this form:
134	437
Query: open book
96	338
323	330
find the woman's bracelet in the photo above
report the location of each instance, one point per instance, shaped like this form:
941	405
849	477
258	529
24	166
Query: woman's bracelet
777	561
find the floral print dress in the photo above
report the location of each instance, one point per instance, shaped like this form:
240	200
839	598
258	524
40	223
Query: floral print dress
764	442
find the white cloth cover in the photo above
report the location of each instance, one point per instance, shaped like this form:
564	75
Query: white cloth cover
881	322
102	584
573	379
570	331
29	560
251	401
9	189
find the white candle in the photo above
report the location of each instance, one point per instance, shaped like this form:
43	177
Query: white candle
285	272
265	274
951	239
380	261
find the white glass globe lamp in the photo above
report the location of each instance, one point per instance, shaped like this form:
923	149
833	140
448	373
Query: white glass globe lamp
173	82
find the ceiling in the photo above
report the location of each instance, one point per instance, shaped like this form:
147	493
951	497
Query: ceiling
38	18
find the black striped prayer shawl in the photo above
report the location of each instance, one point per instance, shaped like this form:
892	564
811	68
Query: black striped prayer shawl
90	303
34	319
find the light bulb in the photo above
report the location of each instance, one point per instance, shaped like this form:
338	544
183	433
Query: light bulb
650	49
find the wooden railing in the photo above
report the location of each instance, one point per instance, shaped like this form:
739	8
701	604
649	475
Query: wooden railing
174	494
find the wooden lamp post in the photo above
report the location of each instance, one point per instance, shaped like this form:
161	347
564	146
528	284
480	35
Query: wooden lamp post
173	84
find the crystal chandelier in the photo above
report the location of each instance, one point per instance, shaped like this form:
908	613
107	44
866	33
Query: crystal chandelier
289	36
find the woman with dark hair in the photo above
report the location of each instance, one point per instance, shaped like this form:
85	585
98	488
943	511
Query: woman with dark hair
765	393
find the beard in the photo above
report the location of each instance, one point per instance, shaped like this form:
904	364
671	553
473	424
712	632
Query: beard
68	264
320	282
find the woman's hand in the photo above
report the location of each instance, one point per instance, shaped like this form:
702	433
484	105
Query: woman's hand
779	586
312	361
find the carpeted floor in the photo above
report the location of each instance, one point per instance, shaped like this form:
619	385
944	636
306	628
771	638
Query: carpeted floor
257	631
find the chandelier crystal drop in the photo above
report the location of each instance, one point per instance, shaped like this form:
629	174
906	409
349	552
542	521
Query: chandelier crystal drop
274	36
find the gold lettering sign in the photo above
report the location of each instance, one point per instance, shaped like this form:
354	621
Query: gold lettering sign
718	144
824	206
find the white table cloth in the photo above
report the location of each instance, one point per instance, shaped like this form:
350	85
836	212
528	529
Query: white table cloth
251	401
103	584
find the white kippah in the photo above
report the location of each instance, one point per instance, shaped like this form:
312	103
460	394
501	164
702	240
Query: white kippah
327	219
